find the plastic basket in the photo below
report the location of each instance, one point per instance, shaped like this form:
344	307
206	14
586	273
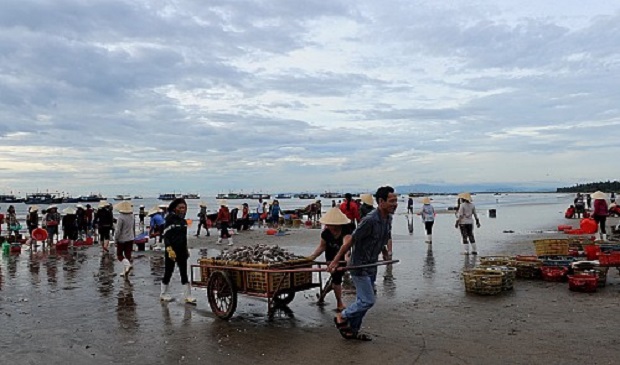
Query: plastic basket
483	282
600	272
554	273
583	283
609	259
551	246
592	251
39	234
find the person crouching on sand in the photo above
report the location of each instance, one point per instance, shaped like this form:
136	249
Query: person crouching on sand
465	222
175	240
332	238
368	241
124	236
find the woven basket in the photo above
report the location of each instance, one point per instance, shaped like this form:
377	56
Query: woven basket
497	260
509	274
528	269
483	282
551	246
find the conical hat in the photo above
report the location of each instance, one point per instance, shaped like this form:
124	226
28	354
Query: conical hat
102	204
33	208
334	217
124	207
599	195
465	196
202	204
69	210
367	199
153	211
426	200
223	202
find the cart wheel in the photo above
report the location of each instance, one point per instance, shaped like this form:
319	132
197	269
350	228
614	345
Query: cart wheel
283	299
222	294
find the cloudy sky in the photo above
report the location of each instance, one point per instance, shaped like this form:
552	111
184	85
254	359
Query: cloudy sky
207	96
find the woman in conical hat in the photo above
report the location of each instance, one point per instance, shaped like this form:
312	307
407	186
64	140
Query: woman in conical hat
332	238
465	222
428	217
124	236
600	212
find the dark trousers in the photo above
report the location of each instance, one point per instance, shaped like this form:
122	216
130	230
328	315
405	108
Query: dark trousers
429	227
467	232
601	222
169	269
224	230
123	250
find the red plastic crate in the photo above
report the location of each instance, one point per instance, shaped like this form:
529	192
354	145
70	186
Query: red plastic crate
609	259
583	283
554	273
592	251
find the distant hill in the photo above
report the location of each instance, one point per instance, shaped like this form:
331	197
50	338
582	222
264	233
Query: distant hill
473	188
604	186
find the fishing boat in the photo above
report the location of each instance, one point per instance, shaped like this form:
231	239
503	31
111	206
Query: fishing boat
191	196
284	196
169	196
306	196
92	198
122	197
138	197
10	198
43	198
331	195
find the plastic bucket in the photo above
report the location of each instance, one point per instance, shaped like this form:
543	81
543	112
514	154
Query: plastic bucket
592	251
39	234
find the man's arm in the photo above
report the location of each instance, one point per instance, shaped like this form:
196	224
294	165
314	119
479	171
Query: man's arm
346	246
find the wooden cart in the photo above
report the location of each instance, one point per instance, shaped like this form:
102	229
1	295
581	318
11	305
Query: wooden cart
277	283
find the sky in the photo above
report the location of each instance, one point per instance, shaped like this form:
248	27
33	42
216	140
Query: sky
154	96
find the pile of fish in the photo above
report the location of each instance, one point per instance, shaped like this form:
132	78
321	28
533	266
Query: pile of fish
258	254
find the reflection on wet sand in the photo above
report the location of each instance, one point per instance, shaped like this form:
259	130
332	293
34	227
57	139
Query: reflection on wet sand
34	267
126	313
410	225
51	269
105	276
12	266
429	263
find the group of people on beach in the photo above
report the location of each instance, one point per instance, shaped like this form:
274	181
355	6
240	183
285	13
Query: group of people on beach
582	207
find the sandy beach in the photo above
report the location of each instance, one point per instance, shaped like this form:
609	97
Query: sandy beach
74	308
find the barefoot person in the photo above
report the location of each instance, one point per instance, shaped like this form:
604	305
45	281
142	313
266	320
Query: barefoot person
175	239
336	228
368	241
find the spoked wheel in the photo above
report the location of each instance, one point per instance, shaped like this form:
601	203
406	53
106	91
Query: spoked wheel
282	299
222	294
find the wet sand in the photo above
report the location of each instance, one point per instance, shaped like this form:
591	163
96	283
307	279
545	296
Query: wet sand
73	308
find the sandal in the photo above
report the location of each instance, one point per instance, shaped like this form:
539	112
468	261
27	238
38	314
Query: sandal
341	325
362	337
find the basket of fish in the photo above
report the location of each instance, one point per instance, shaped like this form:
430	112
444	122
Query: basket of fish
497	260
509	274
482	281
266	260
528	269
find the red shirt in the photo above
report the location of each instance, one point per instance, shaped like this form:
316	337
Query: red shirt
353	212
600	208
223	215
1	221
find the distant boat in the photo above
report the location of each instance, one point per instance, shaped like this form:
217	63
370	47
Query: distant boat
284	196
42	198
122	197
191	196
306	196
138	197
169	196
9	198
92	198
329	195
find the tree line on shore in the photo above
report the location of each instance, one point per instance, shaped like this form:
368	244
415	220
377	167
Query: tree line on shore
604	186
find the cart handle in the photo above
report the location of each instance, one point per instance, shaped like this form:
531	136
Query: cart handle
304	269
